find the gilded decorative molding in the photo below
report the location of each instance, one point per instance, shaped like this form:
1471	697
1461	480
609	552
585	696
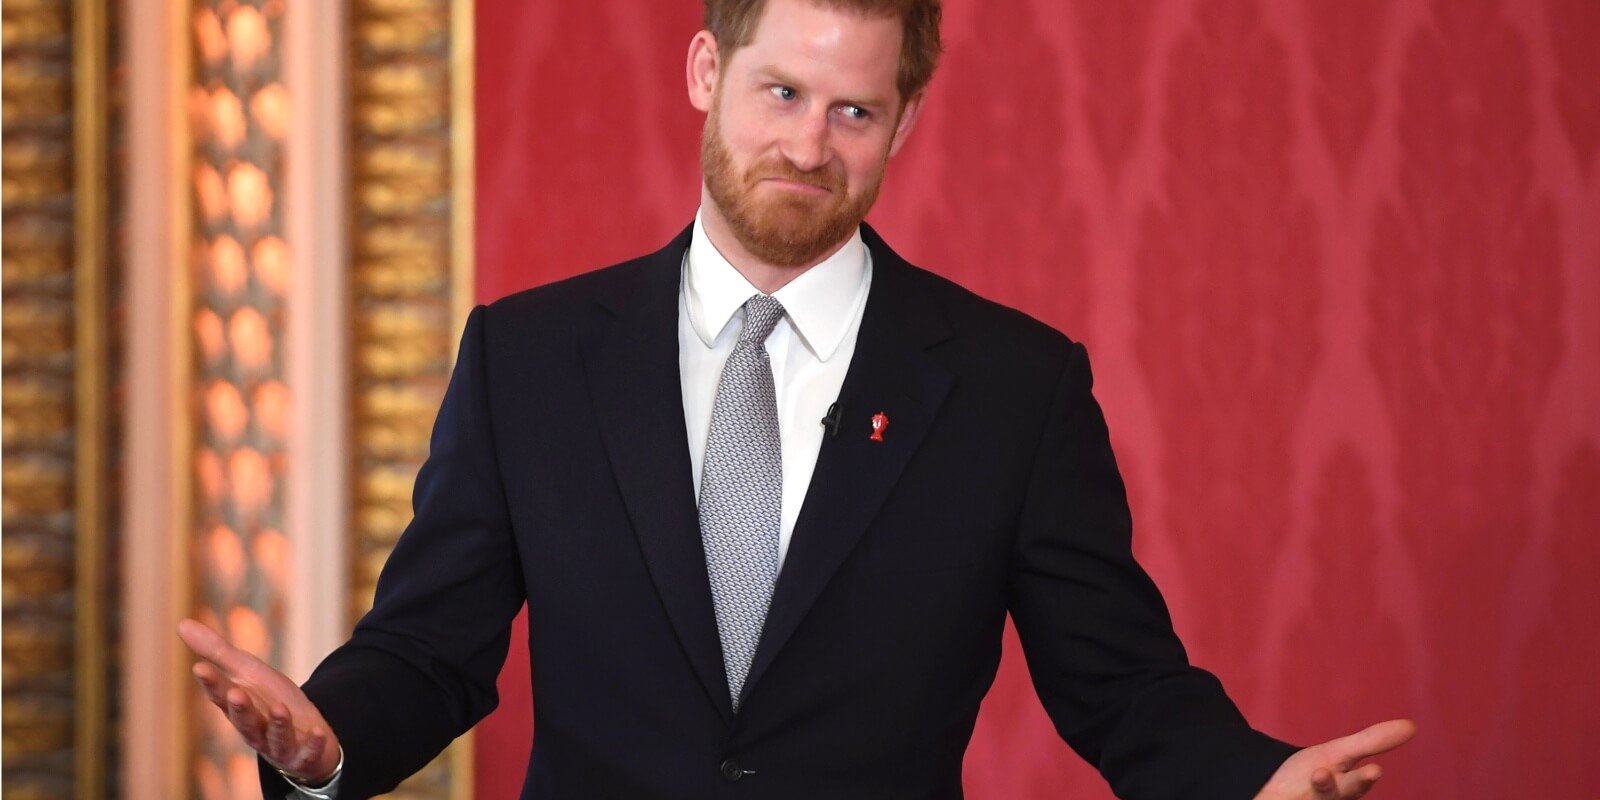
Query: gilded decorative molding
411	280
97	371
58	370
238	116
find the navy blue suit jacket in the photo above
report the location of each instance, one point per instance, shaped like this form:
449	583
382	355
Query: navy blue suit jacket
559	475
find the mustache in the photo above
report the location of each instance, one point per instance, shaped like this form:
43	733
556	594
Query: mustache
783	169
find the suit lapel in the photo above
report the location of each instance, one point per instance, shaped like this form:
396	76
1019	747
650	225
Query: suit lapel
890	372
632	368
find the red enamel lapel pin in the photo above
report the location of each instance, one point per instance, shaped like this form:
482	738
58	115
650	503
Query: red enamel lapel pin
880	421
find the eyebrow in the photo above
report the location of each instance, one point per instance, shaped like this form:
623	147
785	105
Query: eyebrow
782	77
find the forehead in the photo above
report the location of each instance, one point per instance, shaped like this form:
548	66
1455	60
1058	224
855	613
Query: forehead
812	40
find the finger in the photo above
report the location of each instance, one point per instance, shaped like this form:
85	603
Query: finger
213	682
310	755
210	645
246	719
1356	784
1379	738
1323	785
280	735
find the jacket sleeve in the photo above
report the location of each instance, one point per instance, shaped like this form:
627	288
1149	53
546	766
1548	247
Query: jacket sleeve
420	668
1099	642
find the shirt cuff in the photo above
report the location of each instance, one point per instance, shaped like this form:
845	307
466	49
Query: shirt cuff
327	791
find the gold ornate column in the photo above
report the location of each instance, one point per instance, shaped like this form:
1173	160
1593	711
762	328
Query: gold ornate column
242	269
58	372
411	281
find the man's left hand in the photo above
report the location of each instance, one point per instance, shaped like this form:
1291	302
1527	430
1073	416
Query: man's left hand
1328	771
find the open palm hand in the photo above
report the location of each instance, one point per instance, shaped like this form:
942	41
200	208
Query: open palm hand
272	714
1329	771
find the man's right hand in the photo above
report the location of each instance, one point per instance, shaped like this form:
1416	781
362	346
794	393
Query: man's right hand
268	709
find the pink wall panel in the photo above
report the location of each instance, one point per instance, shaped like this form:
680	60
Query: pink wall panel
1338	267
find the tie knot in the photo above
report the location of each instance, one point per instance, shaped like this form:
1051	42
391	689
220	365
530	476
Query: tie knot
761	315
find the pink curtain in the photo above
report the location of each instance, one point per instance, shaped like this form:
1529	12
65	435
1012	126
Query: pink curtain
1338	268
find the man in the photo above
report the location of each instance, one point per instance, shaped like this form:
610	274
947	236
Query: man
769	494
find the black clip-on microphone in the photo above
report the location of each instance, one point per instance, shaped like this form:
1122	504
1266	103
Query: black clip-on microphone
832	420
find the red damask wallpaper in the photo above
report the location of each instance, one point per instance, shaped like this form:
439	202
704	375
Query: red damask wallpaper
1337	263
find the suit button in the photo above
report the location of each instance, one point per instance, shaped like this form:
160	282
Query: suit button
731	771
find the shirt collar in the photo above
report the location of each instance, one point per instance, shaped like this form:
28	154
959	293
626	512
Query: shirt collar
820	302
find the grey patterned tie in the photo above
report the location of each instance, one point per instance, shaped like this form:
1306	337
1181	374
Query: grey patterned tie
741	492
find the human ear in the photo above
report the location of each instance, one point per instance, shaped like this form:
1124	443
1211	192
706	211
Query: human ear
702	70
907	121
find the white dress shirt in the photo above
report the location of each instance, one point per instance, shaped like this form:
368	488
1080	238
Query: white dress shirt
327	791
810	351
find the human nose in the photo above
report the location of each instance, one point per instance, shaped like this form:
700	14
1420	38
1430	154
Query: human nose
807	144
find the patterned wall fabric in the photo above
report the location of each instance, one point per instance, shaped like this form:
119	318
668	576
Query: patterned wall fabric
1337	267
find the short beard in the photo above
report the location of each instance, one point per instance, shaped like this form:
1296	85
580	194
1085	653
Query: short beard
794	230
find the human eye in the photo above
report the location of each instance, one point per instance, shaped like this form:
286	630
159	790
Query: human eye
857	113
783	92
